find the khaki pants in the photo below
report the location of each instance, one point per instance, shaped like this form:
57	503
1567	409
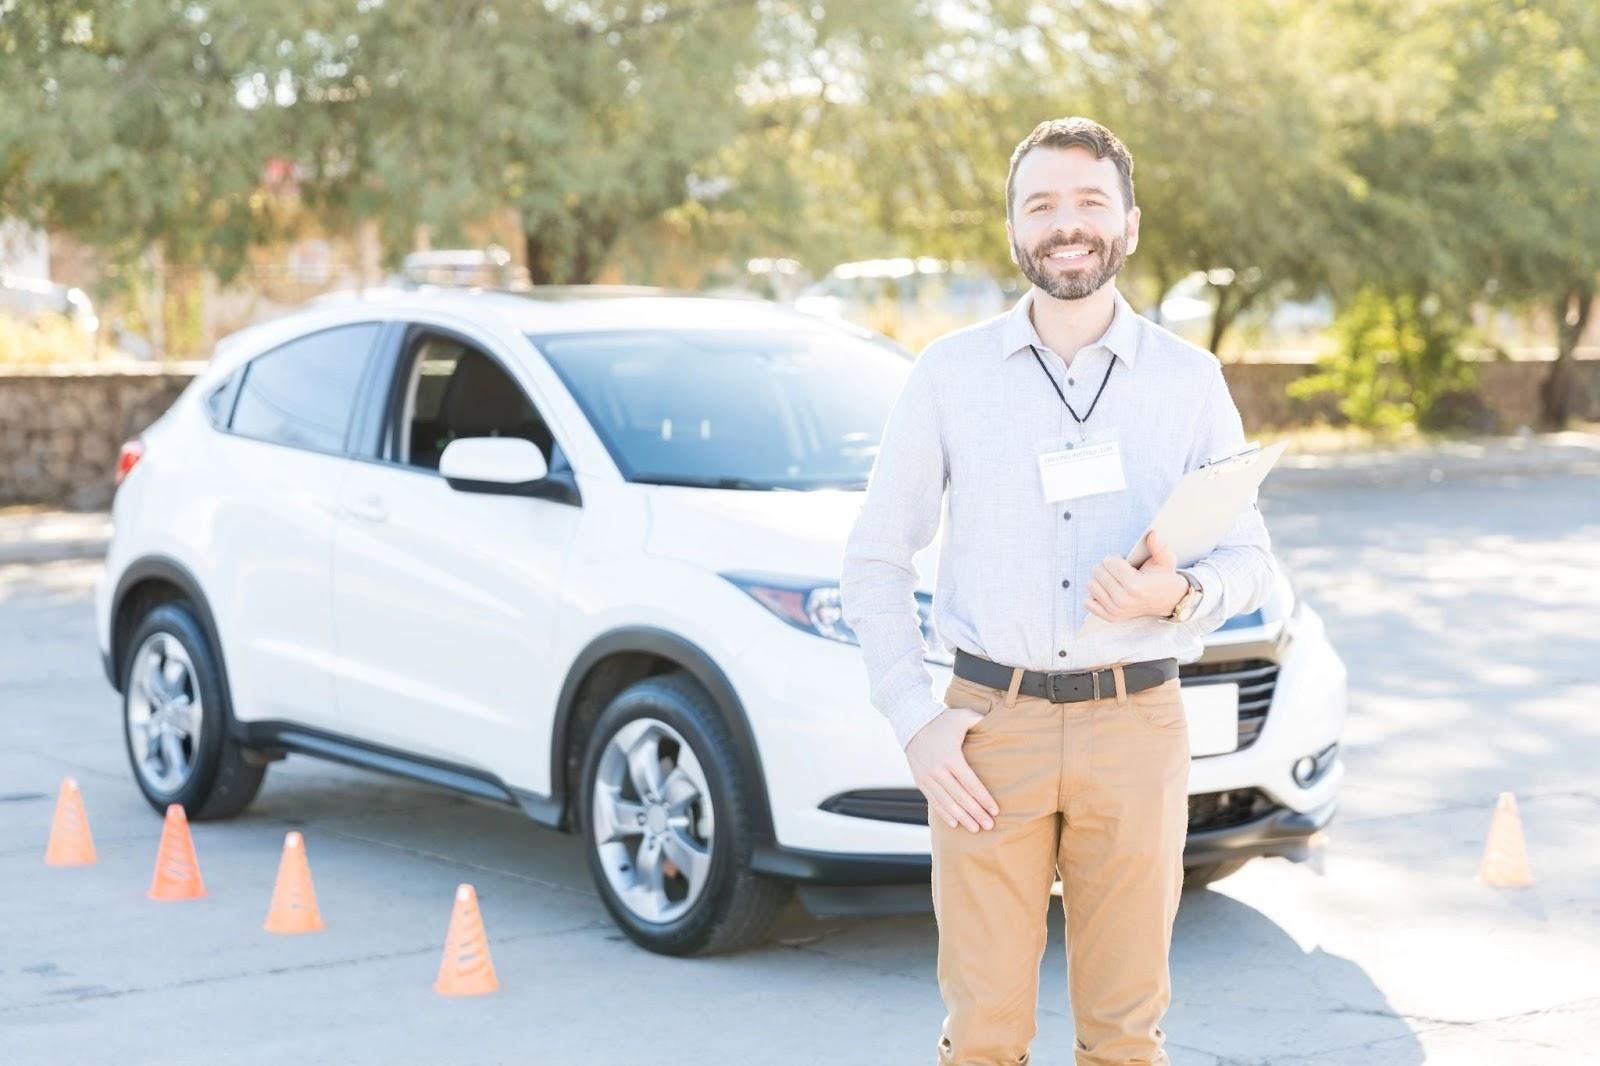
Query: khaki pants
1099	791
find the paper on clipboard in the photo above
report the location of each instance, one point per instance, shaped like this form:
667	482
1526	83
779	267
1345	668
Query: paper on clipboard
1202	508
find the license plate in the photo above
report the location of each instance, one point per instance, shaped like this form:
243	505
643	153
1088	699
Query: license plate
1213	712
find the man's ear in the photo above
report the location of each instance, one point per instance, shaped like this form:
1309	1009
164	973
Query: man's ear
1011	242
1133	230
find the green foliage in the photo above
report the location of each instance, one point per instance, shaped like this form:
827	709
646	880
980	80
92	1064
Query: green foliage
123	125
1395	358
1284	147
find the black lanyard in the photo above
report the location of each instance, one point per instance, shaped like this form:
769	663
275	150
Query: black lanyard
1053	385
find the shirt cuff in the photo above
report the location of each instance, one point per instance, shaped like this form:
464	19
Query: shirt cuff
906	723
1210	591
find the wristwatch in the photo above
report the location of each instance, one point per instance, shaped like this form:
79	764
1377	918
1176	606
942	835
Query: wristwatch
1190	601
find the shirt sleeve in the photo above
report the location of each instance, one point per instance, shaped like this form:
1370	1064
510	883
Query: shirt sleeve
899	517
1239	573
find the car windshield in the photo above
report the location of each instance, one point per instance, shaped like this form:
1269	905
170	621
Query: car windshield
798	409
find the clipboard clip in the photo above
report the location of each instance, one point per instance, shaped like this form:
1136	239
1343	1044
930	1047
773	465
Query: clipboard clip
1250	449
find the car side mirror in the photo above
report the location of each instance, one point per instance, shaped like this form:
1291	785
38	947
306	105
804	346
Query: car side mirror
507	466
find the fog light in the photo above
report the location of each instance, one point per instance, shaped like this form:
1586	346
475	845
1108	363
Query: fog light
1305	771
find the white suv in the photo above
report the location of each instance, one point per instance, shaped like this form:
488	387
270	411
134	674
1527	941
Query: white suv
578	551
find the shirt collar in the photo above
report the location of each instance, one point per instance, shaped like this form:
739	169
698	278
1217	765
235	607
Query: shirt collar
1121	336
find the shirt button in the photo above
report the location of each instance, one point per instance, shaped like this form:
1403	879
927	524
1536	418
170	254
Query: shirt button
1067	515
1061	655
1071	382
1066	584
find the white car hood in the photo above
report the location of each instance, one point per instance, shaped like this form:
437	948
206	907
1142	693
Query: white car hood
798	534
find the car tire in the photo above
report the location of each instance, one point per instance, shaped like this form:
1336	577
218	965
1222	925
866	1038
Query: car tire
1207	873
697	810
176	720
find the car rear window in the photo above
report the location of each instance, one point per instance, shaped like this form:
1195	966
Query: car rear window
303	394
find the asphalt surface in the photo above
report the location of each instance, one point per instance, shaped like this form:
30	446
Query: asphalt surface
1467	608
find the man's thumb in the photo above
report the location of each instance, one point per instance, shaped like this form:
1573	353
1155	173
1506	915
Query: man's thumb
1159	555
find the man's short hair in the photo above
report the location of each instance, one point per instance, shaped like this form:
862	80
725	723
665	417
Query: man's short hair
1074	131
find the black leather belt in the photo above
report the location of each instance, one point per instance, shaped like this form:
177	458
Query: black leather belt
1066	686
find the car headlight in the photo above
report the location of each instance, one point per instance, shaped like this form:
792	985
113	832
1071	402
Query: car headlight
817	609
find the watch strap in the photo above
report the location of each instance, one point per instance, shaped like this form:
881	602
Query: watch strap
1187	599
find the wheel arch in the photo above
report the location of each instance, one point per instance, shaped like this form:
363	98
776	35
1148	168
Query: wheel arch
147	583
618	658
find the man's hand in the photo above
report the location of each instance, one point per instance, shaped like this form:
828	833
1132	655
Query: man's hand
953	791
1118	592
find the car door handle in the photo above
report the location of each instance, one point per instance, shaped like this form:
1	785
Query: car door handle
368	509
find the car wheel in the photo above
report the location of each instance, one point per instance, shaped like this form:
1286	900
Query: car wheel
1205	874
176	715
664	816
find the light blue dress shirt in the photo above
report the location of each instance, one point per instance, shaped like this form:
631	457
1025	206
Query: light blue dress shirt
960	449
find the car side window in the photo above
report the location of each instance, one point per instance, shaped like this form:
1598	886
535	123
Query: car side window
456	391
303	394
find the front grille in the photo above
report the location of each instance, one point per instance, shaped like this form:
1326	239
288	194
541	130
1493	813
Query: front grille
1220	810
1257	678
1210	810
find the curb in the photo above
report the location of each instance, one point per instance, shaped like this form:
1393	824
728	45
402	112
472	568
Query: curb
1485	459
34	537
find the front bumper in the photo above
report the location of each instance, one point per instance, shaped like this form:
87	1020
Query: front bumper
854	885
1282	831
1228	825
839	785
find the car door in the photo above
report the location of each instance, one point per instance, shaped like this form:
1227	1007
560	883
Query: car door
445	600
269	482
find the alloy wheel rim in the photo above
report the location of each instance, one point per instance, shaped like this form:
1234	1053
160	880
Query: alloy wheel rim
653	820
164	713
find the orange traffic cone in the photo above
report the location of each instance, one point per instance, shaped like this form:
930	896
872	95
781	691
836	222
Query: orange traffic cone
177	873
1317	852
466	969
1505	858
70	842
294	901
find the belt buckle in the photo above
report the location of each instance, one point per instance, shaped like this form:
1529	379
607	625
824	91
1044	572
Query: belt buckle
1051	691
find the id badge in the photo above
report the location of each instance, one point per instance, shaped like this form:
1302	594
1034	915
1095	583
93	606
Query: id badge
1088	469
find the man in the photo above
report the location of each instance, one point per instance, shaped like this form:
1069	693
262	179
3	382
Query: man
1058	429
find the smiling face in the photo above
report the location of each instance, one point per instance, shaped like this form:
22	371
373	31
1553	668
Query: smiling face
1069	230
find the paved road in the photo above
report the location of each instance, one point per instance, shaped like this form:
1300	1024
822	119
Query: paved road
1467	611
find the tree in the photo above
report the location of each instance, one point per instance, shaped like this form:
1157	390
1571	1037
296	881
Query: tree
1236	168
123	126
1223	104
1473	125
155	124
1536	72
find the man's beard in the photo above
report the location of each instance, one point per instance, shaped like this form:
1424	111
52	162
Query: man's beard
1083	278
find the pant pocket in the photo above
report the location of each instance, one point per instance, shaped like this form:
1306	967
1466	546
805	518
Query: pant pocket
974	697
1160	708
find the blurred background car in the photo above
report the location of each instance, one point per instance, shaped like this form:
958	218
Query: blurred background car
30	298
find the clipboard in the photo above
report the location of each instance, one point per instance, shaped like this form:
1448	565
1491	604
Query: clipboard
1202	508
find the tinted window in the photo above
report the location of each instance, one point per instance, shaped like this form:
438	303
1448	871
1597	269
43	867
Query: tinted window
303	394
802	409
456	391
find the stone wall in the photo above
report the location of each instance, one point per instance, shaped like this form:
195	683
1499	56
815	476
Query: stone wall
60	428
1506	396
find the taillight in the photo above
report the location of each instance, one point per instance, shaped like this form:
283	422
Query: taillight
132	451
